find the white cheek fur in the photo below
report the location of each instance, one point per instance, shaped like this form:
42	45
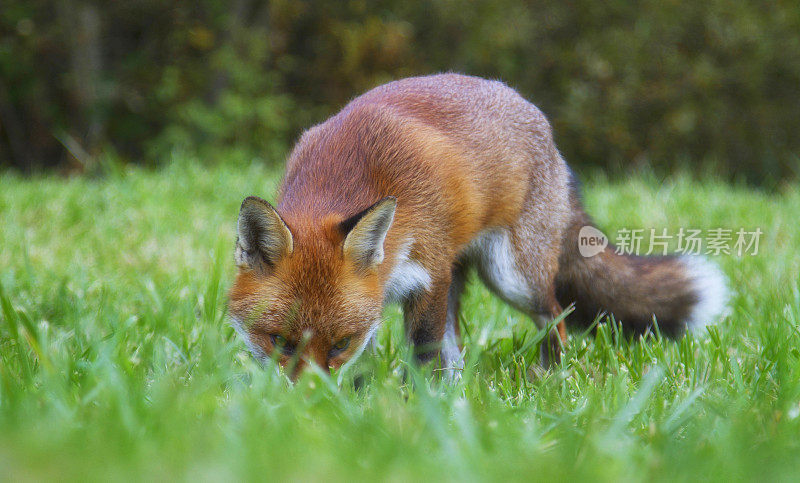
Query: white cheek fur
368	339
257	351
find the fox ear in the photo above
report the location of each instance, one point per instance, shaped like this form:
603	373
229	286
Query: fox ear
366	231
263	238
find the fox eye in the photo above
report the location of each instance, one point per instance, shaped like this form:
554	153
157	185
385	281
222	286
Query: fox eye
281	343
341	345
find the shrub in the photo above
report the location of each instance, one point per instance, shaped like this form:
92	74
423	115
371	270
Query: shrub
675	84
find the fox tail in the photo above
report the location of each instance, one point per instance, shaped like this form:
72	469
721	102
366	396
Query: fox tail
678	292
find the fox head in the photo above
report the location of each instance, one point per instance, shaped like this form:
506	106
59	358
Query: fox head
307	291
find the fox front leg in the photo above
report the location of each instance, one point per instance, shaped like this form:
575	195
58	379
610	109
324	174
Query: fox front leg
427	319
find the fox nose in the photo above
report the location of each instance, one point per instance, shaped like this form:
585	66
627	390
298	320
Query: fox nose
298	369
311	356
321	359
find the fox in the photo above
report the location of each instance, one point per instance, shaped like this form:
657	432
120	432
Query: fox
404	192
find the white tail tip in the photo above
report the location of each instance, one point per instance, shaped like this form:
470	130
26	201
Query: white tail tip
711	287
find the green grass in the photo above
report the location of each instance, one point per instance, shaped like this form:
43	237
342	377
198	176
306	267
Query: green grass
116	360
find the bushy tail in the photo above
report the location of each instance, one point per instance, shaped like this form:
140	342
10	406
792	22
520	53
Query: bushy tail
682	292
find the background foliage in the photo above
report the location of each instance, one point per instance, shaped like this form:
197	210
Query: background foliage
646	83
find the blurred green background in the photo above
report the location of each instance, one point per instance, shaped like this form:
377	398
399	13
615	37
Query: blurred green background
711	86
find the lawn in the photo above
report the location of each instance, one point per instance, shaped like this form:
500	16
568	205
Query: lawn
116	360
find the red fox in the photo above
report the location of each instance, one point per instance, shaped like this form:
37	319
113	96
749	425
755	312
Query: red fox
399	195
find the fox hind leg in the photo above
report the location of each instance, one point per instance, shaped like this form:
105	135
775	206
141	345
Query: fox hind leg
520	269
